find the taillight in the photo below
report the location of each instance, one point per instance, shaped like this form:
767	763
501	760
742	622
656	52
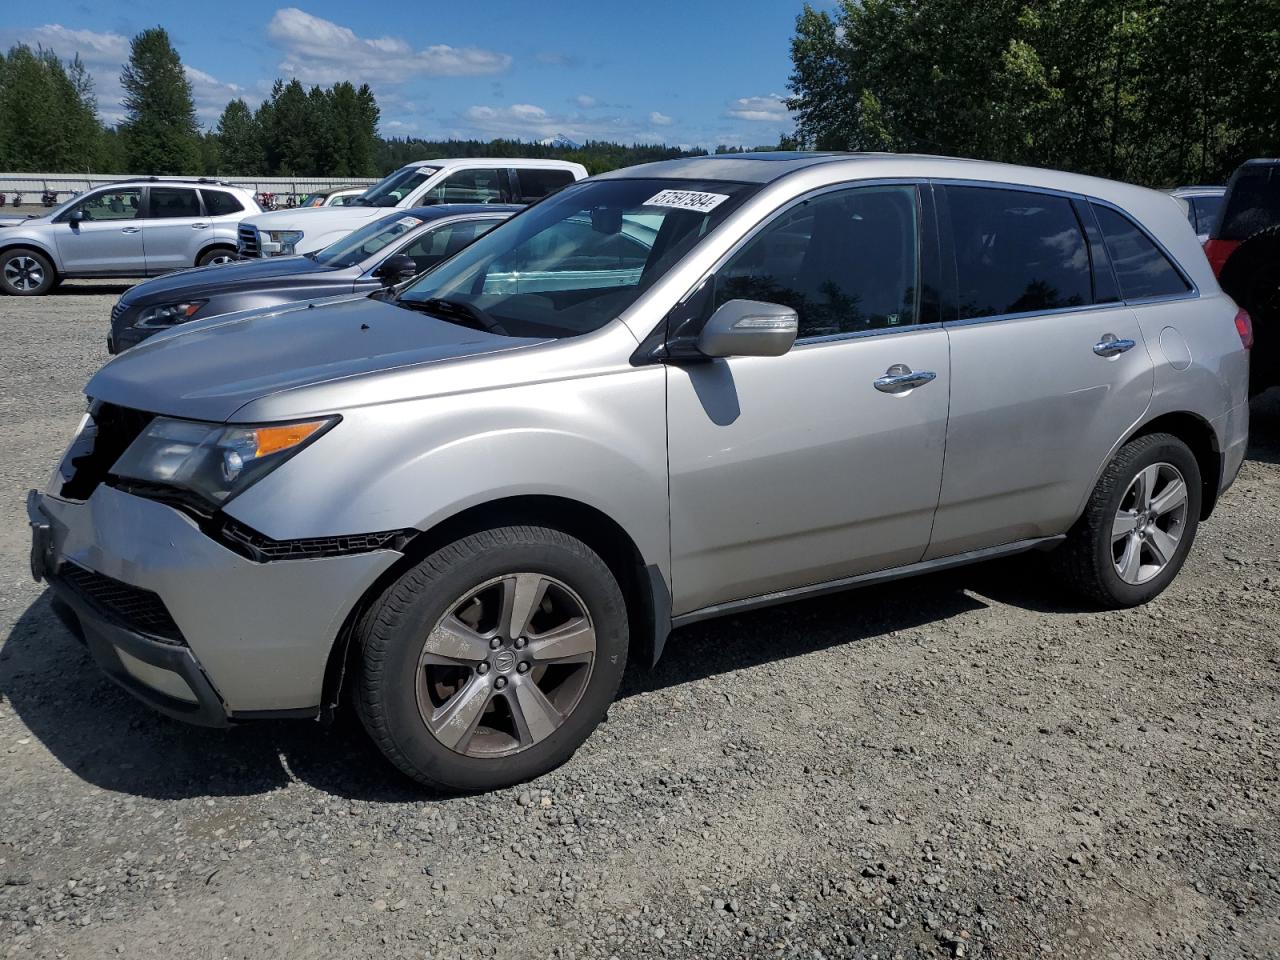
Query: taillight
1218	252
1244	327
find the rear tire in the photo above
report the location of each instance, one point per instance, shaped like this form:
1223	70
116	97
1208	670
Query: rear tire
1138	526
216	255
460	700
26	273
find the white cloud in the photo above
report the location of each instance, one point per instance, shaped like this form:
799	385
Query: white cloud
320	51
772	109
585	102
660	119
211	95
526	121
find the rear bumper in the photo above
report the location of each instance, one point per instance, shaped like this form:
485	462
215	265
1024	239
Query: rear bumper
246	638
1233	436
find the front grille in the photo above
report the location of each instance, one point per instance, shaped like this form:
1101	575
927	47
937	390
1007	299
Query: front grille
132	607
260	547
247	237
117	312
99	446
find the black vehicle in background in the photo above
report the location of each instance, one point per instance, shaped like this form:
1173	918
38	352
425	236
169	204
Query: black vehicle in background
383	252
1244	250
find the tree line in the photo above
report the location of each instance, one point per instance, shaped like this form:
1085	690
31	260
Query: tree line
1150	91
49	123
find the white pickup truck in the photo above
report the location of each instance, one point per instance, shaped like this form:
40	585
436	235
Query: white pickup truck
420	184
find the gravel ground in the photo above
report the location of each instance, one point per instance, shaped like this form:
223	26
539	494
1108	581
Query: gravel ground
960	766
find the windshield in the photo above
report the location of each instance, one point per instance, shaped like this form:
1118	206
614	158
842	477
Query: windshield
359	246
573	262
393	188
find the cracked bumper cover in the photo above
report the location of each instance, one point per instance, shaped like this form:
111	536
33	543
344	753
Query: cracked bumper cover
257	635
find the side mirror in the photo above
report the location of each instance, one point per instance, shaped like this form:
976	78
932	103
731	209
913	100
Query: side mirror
396	268
749	328
75	217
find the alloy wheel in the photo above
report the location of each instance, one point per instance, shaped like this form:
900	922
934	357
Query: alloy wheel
506	665
23	273
1150	523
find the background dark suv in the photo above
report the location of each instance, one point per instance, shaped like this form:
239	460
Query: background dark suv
1244	250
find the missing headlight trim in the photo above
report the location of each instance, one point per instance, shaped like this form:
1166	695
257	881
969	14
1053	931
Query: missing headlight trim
262	549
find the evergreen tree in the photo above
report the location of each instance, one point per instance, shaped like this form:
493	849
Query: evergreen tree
240	142
161	135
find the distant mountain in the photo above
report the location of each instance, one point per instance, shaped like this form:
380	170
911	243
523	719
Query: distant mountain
561	142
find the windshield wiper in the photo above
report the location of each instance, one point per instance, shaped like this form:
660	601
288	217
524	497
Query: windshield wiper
467	314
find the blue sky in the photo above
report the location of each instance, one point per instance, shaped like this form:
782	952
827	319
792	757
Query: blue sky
697	73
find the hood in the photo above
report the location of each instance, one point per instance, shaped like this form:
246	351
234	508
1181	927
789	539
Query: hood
313	220
17	219
209	370
241	275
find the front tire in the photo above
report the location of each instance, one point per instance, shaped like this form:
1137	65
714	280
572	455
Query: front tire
26	273
492	660
1138	526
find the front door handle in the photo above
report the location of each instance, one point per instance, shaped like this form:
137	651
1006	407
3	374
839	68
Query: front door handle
130	229
900	378
1111	346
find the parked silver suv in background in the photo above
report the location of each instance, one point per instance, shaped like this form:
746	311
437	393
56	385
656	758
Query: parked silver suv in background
671	392
132	228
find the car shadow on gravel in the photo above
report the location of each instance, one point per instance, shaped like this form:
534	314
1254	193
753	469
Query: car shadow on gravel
111	740
97	288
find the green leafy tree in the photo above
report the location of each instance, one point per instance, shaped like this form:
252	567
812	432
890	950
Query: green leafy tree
161	135
1155	91
48	113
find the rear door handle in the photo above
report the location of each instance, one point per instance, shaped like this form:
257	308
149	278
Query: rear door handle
199	226
130	229
1111	346
900	378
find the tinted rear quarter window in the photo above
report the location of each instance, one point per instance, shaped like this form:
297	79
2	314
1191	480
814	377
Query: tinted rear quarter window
1206	210
219	203
169	202
1017	252
536	184
1141	267
1252	202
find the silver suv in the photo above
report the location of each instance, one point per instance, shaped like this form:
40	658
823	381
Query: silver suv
672	392
131	228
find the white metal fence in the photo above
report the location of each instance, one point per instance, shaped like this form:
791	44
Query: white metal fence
35	186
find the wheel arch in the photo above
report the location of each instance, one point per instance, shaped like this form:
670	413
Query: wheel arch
220	244
643	585
1198	434
16	243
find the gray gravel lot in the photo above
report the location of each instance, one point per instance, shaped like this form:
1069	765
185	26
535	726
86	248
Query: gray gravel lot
965	765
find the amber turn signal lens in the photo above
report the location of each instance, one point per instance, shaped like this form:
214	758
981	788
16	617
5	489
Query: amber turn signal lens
274	439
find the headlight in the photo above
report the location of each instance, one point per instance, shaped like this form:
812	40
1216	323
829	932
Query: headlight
288	239
213	461
167	314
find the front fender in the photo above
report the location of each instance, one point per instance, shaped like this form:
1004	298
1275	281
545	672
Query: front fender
597	440
16	237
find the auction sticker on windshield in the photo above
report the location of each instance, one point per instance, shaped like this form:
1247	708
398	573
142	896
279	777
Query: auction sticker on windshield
408	221
687	200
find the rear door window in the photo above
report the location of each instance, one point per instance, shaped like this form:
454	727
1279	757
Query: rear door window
1141	267
536	184
219	203
168	203
1017	252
